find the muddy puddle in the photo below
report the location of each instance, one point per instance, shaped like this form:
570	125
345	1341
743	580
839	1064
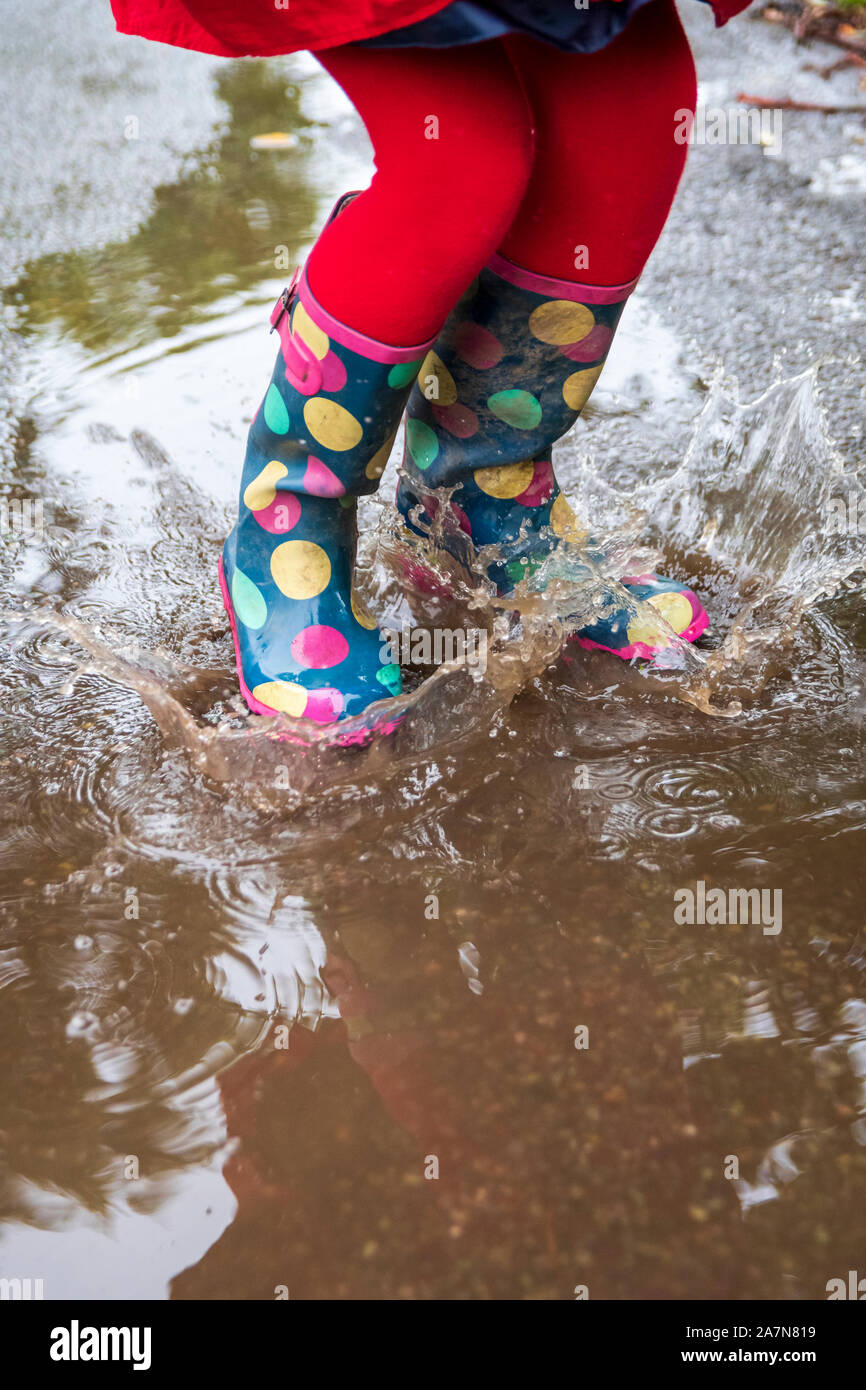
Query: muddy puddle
420	1019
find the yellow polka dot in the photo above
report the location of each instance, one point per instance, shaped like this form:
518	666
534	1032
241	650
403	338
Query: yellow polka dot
301	569
285	696
262	490
559	322
379	462
577	388
361	612
332	425
644	629
563	521
508	480
318	342
674	608
436	382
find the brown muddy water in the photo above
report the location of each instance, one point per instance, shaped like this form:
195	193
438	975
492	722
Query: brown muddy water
418	1020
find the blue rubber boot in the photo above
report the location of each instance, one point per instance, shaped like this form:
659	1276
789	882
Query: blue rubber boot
304	644
508	376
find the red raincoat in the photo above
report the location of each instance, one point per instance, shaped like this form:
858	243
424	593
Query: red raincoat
260	28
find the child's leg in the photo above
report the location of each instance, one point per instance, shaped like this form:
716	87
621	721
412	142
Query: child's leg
451	135
606	162
521	355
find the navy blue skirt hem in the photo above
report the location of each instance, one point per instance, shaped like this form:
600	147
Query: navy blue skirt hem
572	30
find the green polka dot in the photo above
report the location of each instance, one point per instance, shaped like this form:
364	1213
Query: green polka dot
403	372
249	605
422	442
520	409
347	502
390	677
276	415
518	570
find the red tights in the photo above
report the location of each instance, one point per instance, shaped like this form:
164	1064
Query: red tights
566	163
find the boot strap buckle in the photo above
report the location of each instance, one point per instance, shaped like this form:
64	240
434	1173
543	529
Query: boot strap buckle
284	303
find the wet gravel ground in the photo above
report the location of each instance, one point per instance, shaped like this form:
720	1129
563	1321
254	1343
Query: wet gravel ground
763	256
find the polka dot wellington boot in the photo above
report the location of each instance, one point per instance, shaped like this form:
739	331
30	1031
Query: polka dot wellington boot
304	644
508	376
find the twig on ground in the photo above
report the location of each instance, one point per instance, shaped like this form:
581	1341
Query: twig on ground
788	104
850	60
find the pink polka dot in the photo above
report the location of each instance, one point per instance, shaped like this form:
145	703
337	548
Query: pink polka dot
333	372
320	481
318	647
431	507
541	487
593	346
457	419
478	346
425	581
323	706
280	515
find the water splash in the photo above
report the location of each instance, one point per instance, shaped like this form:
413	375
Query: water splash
754	507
